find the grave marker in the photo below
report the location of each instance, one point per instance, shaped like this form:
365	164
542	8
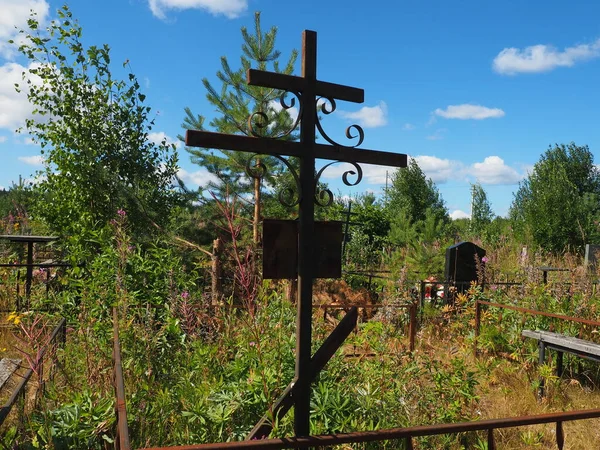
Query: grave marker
461	267
308	90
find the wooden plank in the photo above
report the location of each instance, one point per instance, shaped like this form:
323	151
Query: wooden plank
7	368
220	141
567	342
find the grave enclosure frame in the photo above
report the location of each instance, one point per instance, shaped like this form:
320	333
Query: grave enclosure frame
308	91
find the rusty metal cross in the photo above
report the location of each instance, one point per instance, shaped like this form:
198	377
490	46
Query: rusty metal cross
308	90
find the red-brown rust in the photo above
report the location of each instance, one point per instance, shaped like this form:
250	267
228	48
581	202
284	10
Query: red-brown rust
396	433
540	313
120	408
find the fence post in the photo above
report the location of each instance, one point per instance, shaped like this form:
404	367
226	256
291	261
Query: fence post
477	326
412	326
216	271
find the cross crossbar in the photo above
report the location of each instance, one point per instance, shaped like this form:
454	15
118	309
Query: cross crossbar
221	141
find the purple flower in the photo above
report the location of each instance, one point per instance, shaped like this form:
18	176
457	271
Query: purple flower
484	259
121	212
252	344
185	295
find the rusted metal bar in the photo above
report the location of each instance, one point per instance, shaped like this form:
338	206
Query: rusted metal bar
412	326
560	436
122	441
20	390
477	326
337	306
396	433
541	313
491	445
334	341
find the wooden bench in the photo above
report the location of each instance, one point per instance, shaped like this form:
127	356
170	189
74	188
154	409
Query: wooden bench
562	344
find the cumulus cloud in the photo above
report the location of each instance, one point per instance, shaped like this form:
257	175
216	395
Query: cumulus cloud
543	58
438	169
368	116
160	137
13	17
493	170
35	160
458	214
469	111
198	178
14	106
293	111
229	8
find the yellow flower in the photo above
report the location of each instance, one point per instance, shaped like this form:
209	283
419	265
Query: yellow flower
14	318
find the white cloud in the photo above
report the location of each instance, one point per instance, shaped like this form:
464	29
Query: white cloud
493	170
36	160
229	8
408	127
469	111
437	135
543	58
14	106
2	139
369	116
147	82
197	178
458	214
438	169
161	136
13	17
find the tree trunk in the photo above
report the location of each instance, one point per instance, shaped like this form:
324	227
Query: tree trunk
292	291
216	272
255	234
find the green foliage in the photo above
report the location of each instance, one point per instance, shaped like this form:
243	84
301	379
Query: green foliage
413	194
565	175
94	133
235	102
482	214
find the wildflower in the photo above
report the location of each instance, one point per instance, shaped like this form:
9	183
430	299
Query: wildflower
185	295
121	212
484	259
14	318
252	344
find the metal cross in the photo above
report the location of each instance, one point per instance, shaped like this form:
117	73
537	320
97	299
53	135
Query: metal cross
309	91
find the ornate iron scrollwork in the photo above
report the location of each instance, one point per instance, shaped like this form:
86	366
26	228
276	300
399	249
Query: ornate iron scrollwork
324	197
287	195
328	106
259	120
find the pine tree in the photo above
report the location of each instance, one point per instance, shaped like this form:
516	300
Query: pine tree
235	102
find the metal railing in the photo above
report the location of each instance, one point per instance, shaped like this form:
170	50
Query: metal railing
406	434
122	438
534	312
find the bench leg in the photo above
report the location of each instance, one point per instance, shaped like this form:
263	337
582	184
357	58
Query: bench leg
542	360
559	364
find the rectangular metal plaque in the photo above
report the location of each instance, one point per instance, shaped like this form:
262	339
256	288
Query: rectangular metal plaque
280	249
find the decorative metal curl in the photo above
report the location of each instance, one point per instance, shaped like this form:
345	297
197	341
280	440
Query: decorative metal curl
258	121
324	197
287	196
328	106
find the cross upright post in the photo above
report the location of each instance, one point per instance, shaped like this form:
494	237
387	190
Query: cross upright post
308	90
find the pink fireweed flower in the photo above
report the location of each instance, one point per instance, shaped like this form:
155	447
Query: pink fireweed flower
484	259
121	212
252	344
185	295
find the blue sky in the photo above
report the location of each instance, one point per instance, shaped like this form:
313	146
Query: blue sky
475	91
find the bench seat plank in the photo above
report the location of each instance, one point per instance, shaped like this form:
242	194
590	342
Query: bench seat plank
565	342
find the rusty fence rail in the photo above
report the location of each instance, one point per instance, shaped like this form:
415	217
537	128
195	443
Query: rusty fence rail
412	315
406	434
533	312
122	438
19	393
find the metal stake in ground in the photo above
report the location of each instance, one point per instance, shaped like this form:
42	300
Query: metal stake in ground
309	91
